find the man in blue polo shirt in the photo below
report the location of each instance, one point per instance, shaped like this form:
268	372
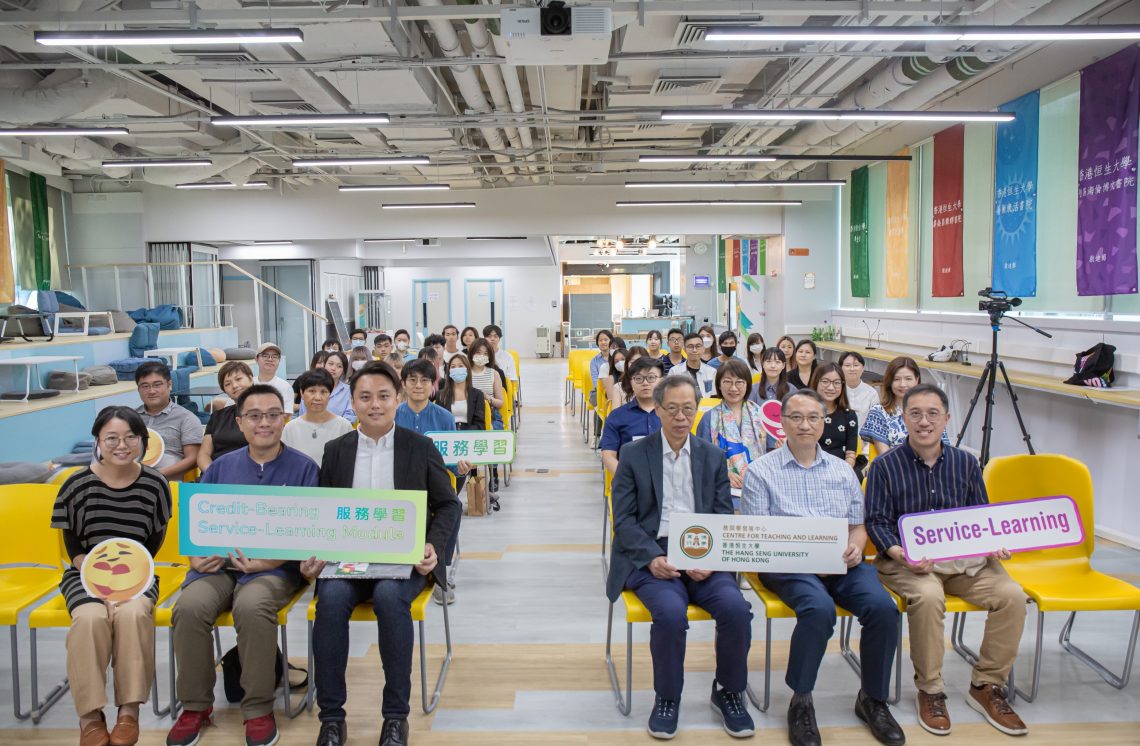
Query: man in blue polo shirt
636	419
254	589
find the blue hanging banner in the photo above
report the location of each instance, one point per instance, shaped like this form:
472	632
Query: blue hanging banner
1015	198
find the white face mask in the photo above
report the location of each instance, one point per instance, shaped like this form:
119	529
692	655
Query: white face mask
480	360
756	349
707	342
401	345
619	366
358	364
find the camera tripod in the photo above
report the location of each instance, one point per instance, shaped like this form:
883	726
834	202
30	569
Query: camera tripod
988	382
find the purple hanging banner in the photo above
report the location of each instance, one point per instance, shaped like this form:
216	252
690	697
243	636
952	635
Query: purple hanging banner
1106	175
754	256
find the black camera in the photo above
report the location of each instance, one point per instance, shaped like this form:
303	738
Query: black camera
996	301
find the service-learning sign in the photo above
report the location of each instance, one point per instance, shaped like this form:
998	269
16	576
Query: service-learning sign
475	446
295	523
757	543
1021	526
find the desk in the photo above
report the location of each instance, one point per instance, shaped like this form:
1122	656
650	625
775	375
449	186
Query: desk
34	362
173	353
85	316
13	316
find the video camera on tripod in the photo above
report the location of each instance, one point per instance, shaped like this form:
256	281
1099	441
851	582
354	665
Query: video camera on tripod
996	303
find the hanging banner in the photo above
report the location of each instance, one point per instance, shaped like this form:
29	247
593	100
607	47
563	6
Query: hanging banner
1015	198
721	275
42	233
7	271
860	235
735	259
898	227
1106	181
754	257
948	144
746	266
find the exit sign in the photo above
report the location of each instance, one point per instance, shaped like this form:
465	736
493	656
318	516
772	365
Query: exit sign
701	281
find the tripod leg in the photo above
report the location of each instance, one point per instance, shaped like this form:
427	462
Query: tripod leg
1017	410
986	373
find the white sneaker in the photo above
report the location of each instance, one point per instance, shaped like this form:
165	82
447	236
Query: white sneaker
437	595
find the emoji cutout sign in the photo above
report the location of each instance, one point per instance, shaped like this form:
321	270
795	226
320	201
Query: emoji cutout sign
155	448
117	570
770	419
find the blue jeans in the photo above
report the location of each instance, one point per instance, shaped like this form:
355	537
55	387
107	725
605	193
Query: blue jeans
814	598
392	602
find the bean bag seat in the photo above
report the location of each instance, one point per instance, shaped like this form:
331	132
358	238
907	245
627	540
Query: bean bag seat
125	367
123	323
218	354
101	375
240	353
143	337
64	380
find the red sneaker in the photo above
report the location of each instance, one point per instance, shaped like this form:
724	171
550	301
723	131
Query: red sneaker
261	731
188	729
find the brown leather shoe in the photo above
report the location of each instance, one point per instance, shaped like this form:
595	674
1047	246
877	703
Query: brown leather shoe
125	732
932	713
95	734
989	700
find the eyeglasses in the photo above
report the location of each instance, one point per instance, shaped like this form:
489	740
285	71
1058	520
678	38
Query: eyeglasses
931	415
645	379
255	418
799	419
270	357
732	383
113	441
158	386
829	383
672	412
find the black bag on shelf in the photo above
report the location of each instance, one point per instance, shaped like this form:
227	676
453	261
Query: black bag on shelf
1093	367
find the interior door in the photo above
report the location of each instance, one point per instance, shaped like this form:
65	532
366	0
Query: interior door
484	304
431	308
283	323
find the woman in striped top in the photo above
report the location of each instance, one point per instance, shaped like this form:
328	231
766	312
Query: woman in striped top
485	378
116	496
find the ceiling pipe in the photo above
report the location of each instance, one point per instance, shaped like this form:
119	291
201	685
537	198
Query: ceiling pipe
60	95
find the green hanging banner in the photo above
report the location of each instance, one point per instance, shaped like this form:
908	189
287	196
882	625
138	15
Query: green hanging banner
760	260
721	279
42	233
860	238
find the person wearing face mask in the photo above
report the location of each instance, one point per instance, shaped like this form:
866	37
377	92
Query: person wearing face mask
704	375
358	338
485	378
709	352
331	345
309	432
463	400
404	344
755	351
340	400
115	496
727	343
885	427
614	369
806	355
357	359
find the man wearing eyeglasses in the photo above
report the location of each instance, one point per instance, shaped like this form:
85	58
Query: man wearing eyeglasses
703	374
180	429
659	480
254	589
268	361
636	419
801	479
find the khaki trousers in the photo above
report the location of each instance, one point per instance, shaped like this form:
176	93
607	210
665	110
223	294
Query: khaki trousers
121	637
925	595
255	605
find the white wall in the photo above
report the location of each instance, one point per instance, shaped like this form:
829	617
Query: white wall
532	298
814	226
699	302
107	229
240	291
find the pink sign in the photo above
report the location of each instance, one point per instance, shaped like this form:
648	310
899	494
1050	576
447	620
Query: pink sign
770	419
1020	526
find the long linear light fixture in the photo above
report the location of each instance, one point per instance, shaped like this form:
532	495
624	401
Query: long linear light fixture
496	238
390	240
394	188
732	184
272	243
426	205
223	185
712	203
766	158
805	115
337	162
146	37
63	131
157	162
299	120
926	34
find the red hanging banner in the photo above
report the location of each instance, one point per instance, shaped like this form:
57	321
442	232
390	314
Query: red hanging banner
736	259
947	281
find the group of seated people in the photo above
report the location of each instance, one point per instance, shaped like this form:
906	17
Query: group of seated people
662	470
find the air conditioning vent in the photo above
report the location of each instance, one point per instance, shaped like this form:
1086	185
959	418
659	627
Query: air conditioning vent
677	83
691	31
228	57
289	105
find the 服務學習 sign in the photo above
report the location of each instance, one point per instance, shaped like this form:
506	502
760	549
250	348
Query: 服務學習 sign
475	446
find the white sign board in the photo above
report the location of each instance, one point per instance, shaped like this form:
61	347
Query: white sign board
757	543
474	446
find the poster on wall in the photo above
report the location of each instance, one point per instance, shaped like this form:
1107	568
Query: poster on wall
1106	175
860	235
898	227
947	281
756	257
1015	198
735	259
750	310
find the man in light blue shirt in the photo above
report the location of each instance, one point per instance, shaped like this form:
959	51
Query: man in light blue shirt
801	480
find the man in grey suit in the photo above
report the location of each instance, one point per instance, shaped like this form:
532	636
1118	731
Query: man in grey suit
660	478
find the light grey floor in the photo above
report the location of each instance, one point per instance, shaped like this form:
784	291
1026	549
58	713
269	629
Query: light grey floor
526	597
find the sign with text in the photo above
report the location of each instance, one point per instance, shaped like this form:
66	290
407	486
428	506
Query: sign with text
1040	523
475	446
295	523
757	543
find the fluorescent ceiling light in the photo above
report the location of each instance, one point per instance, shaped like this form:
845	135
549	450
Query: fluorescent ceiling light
145	37
389	240
157	162
63	132
496	238
713	203
426	205
804	115
272	243
730	184
300	120
335	162
925	34
223	185
765	158
395	188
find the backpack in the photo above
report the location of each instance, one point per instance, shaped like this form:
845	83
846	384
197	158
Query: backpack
231	675
1093	367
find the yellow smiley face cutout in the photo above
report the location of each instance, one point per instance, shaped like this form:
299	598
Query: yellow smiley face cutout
117	570
155	448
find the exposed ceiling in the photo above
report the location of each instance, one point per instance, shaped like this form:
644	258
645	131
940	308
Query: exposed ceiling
438	70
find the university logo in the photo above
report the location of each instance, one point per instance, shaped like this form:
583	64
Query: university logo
696	542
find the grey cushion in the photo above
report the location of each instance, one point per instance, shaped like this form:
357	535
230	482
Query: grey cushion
101	375
240	353
64	380
24	472
123	323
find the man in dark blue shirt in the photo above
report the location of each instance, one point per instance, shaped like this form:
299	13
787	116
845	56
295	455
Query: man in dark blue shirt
636	419
924	474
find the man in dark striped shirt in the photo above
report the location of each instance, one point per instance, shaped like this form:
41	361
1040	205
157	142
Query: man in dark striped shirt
924	474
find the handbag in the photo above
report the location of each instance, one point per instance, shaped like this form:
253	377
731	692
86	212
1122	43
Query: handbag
1093	367
476	494
231	675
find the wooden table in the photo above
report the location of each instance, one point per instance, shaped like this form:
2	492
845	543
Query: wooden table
31	362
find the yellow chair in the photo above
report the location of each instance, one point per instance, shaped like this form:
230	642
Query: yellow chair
601	411
607	485
29	567
577	359
364	613
518	384
61	476
1062	579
